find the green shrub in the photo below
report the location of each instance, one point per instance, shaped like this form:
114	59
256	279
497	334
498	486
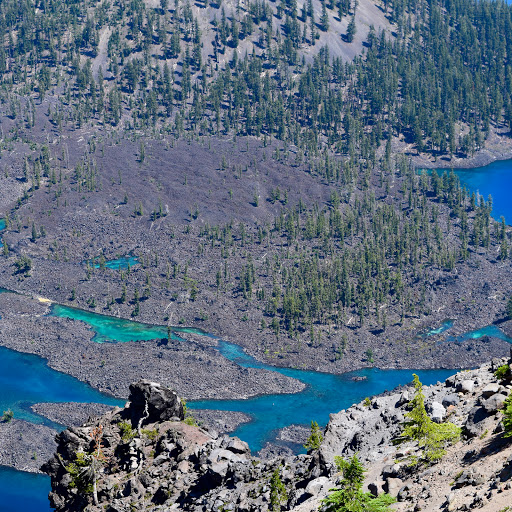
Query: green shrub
78	470
432	437
126	430
315	438
7	416
502	371
507	413
150	434
349	496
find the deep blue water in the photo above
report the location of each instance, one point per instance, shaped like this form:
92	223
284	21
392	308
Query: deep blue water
23	492
325	394
494	179
26	379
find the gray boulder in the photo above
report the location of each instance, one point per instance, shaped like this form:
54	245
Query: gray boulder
437	412
466	386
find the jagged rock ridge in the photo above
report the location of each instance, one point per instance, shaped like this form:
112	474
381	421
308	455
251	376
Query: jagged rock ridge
153	460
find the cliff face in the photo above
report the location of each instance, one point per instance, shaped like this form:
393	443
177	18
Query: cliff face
145	457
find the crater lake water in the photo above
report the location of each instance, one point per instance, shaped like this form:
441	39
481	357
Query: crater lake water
27	379
494	179
24	492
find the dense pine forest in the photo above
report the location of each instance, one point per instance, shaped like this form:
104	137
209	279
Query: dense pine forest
439	75
314	91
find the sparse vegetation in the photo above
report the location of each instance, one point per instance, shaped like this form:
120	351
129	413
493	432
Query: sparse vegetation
315	438
432	438
7	416
349	496
507	416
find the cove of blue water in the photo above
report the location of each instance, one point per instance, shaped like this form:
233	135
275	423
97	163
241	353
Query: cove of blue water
325	393
119	263
23	492
494	179
26	379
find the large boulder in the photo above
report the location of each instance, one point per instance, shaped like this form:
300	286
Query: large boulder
150	402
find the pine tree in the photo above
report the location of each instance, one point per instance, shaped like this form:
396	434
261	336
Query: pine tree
507	420
315	438
349	496
351	29
324	19
431	437
278	493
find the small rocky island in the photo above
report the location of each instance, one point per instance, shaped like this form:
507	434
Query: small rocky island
150	455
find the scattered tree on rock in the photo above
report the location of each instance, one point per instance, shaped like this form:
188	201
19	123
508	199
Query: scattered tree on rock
431	437
507	420
278	493
315	438
349	496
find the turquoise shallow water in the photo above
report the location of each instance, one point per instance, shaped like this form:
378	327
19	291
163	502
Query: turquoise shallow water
445	326
494	179
119	263
2	227
109	328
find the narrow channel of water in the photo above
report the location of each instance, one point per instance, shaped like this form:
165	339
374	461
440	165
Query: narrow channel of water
325	393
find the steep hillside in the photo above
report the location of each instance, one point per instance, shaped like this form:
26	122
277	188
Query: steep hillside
146	457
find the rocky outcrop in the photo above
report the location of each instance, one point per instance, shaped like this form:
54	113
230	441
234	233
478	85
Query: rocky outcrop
153	460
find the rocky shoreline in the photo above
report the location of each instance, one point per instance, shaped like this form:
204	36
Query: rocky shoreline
25	446
195	470
197	371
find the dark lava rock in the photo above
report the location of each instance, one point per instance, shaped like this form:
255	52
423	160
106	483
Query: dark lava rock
475	423
150	402
450	400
